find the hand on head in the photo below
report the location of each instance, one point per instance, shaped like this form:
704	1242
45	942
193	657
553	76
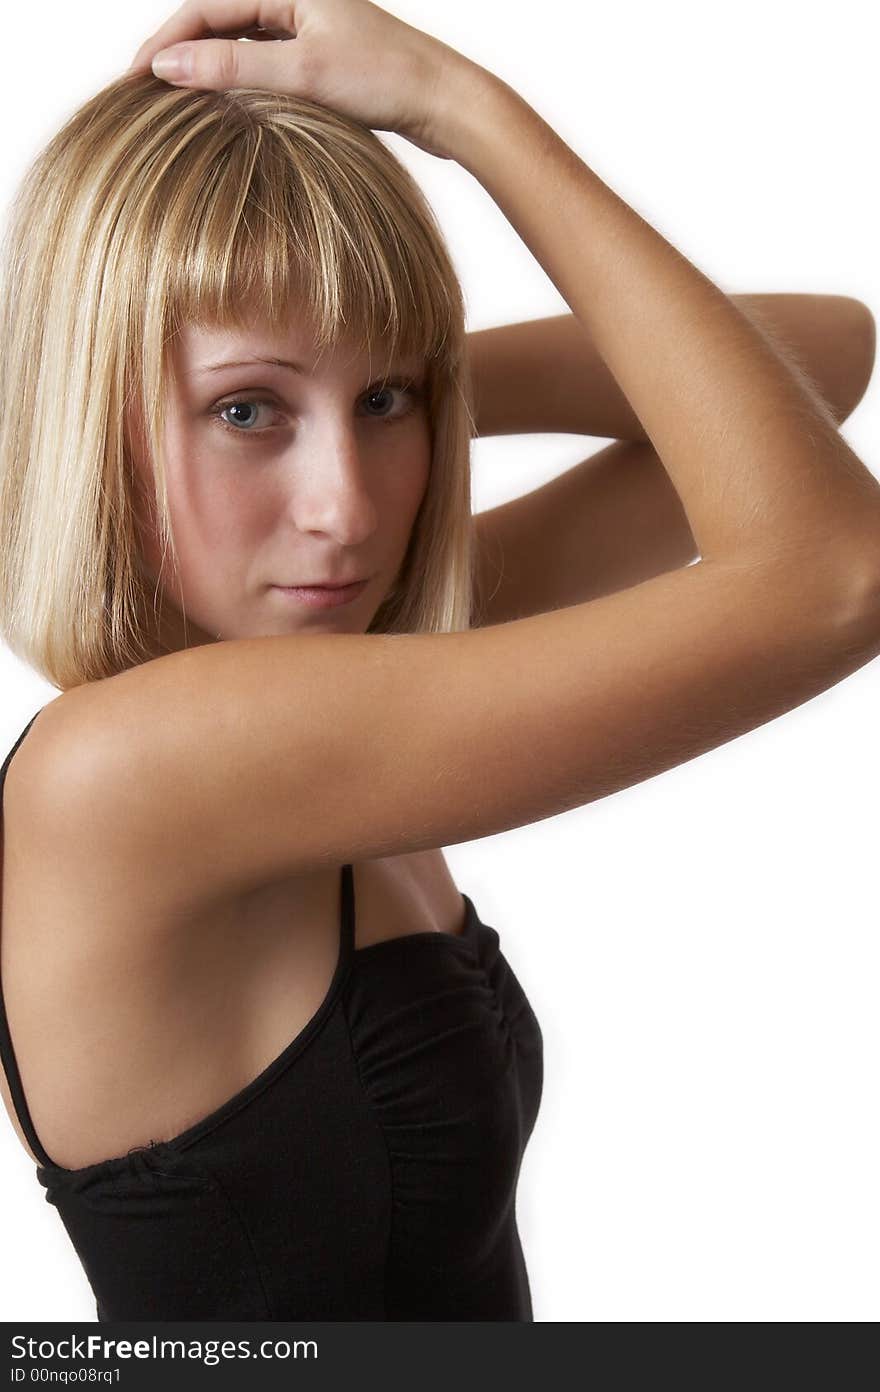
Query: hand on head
348	55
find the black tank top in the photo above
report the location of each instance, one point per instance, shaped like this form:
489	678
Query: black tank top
368	1173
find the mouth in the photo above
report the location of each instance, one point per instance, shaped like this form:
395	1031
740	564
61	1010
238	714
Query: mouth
323	585
323	596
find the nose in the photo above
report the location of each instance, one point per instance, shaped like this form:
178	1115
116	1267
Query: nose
331	489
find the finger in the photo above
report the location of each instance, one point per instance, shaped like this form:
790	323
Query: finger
216	65
214	18
257	35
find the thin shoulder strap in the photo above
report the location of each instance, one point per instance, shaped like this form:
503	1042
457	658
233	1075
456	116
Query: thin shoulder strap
346	927
8	759
7	1053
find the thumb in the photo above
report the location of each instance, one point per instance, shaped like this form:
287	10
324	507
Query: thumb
218	64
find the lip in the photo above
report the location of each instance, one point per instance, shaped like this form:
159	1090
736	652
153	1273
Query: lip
322	596
324	584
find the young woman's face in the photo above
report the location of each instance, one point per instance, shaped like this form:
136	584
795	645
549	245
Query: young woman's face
282	476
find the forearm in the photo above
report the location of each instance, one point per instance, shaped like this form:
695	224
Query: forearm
757	462
547	375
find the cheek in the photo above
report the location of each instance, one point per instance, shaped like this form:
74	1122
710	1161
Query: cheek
214	505
409	492
409	478
216	520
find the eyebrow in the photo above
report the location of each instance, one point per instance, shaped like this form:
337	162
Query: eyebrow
249	362
269	361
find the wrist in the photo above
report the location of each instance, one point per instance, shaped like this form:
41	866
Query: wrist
468	101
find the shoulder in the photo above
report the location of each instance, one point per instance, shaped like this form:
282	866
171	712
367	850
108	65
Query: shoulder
51	763
64	807
57	729
49	798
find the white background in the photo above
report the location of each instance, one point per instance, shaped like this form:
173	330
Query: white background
701	949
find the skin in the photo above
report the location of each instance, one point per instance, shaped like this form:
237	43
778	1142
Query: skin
833	337
329	488
326	494
546	375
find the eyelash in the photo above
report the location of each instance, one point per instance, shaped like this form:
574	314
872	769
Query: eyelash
414	392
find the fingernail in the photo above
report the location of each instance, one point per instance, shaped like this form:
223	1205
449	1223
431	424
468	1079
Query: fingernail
173	64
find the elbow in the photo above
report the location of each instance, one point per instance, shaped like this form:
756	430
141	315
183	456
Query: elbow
862	588
866	548
870	339
839	576
859	344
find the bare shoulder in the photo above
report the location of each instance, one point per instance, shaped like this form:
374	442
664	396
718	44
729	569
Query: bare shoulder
131	1023
214	771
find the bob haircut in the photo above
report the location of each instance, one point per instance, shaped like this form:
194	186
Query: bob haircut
156	206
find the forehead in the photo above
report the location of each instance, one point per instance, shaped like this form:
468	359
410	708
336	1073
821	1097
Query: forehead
203	351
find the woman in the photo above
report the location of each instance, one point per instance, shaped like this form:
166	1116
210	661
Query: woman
197	789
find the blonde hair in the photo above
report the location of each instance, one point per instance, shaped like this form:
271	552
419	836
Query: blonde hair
156	206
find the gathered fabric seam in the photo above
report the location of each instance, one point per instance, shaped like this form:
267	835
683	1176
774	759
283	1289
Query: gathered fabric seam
246	1233
378	1118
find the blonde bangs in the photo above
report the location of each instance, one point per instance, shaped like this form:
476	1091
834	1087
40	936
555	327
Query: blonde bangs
290	227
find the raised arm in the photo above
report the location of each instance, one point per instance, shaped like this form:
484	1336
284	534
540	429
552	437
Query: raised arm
546	375
614	518
758	463
240	762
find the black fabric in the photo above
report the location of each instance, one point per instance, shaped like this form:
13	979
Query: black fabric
368	1173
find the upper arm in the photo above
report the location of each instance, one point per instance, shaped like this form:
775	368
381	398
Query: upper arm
610	521
227	766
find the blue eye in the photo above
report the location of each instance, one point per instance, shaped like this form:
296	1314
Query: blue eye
242	406
246	408
386	391
239	404
412	395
